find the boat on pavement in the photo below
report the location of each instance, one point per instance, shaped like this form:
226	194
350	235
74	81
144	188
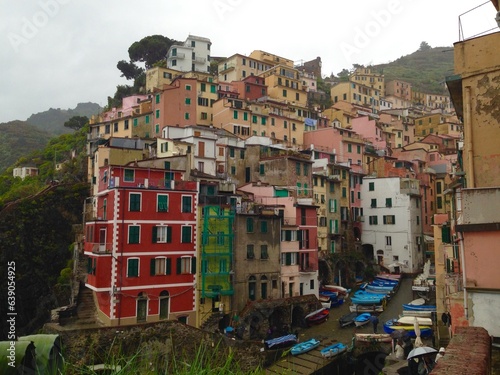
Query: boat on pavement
419	307
281	342
317	317
304	347
411	320
373	337
362	319
392	325
347	319
333	350
366	308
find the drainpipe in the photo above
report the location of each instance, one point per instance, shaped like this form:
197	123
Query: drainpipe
464	278
468	137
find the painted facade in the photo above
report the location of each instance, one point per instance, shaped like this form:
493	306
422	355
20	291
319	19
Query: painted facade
141	246
193	55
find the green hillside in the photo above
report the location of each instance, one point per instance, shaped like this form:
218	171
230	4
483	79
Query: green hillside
52	121
18	138
425	69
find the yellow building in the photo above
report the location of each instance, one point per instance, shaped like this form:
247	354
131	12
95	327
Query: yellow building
437	123
356	93
365	77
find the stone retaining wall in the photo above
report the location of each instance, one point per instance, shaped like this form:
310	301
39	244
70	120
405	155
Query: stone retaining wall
469	352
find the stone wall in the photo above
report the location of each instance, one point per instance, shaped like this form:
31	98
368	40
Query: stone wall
154	342
469	352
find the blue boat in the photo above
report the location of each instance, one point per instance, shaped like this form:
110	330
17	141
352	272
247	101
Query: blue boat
363	293
304	347
362	319
333	350
419	307
281	342
392	325
375	300
383	289
384	282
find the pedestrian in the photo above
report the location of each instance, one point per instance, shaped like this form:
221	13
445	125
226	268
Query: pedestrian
374	320
440	354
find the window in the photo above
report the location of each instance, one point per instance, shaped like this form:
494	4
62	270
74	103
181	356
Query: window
250	252
349	147
162	234
418	220
133	267
371	186
186	116
231	152
186	204
306	173
147	119
133	234
157	98
129	175
388	241
115	127
263	252
160	266
186	234
254	119
344	192
373	203
162	203
263	226
186	101
261	169
125	126
388	202
135	202
358	147
297	169
373	220
249	225
186	265
188	87
235	114
389	219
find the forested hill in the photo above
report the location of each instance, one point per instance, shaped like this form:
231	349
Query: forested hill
52	120
18	138
425	69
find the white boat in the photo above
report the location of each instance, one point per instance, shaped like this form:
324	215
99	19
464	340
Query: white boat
411	320
373	337
366	308
423	314
417	302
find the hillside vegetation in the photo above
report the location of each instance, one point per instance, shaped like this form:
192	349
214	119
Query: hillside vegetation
425	69
52	121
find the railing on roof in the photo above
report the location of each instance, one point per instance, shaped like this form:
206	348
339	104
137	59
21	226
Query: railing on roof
481	16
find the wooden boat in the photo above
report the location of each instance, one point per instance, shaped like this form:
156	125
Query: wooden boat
281	342
304	347
362	319
392	325
411	320
419	307
333	350
366	308
373	337
317	317
347	319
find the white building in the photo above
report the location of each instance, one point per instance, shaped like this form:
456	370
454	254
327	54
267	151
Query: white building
24	172
392	222
193	55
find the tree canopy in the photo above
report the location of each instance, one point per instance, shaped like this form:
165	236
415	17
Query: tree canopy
76	122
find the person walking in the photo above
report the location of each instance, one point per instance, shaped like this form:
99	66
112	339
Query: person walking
374	320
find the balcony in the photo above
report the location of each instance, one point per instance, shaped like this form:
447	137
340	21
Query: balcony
200	60
178	56
226	68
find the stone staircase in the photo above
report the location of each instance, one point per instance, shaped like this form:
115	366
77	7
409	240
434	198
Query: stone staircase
86	310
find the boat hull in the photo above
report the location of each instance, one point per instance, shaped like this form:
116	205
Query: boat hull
366	308
333	350
419	307
281	342
373	337
304	347
392	326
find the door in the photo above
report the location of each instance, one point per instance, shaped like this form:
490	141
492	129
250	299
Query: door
142	308
164	304
102	239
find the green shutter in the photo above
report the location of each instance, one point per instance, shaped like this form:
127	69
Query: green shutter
445	234
193	265
152	266
169	234
155	234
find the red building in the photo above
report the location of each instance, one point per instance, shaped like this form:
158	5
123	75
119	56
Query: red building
140	240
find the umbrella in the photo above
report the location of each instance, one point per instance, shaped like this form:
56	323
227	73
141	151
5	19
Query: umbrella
420	351
416	328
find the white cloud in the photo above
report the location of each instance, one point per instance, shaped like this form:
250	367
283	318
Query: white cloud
56	53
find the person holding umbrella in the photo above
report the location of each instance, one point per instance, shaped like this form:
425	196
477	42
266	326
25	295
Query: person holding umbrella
425	362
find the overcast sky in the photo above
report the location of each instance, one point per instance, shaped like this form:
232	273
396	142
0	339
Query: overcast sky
57	53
